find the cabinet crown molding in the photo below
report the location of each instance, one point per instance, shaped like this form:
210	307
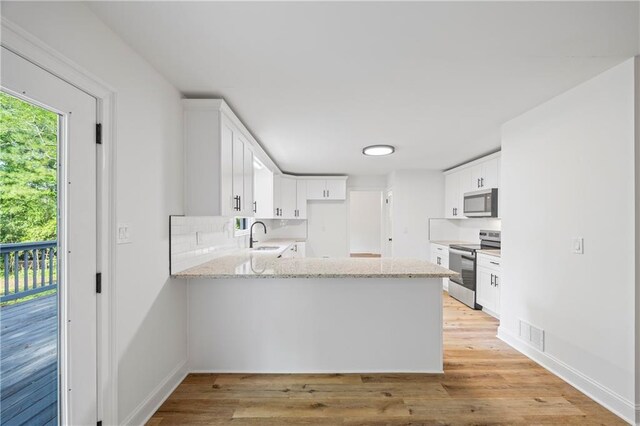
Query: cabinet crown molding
473	163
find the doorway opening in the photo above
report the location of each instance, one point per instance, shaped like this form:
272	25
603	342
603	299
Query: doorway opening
29	148
365	224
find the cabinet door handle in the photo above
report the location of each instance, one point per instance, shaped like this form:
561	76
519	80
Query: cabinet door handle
324	193
327	193
482	182
492	279
494	263
239	203
495	280
478	182
438	261
236	207
255	207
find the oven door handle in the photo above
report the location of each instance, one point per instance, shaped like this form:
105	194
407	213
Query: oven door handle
464	254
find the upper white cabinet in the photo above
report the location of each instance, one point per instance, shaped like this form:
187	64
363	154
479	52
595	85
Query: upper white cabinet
288	194
327	188
219	160
241	201
263	205
480	174
301	199
485	174
280	196
229	174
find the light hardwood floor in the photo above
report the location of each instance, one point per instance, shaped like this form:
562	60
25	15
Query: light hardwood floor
485	382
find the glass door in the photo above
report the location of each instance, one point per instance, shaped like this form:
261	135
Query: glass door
48	303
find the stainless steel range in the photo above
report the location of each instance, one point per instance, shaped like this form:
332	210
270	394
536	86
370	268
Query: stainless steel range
462	259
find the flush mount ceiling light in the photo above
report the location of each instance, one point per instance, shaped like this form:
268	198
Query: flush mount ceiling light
378	150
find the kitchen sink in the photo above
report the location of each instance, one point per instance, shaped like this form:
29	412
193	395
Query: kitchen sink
266	248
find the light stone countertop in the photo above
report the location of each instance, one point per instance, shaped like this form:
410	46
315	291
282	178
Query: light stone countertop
490	252
449	242
249	264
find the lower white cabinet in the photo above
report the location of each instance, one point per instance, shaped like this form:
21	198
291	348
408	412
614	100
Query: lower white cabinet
488	282
440	256
295	250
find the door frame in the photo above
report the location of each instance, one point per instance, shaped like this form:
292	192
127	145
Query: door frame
35	50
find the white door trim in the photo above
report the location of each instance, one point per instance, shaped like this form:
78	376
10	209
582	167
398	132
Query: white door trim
35	50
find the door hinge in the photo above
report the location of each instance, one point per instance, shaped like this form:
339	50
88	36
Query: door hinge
99	282
99	133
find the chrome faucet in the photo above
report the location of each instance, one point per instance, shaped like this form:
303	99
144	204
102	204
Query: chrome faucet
251	240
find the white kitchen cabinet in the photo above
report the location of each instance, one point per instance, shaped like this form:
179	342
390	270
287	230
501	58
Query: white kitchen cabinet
480	174
296	250
301	199
485	175
488	282
263	190
288	194
327	189
300	249
277	196
219	161
440	256
240	200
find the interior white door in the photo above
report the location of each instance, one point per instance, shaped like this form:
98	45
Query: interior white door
77	239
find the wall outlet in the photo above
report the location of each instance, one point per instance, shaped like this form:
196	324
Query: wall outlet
578	245
124	233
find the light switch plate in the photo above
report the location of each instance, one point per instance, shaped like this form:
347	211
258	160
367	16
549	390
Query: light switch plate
578	245
124	233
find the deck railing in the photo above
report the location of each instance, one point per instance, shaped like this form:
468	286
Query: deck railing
28	268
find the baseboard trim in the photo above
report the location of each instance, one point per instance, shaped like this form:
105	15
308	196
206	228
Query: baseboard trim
383	371
143	412
613	402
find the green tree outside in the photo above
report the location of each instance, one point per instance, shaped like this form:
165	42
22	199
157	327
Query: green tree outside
28	171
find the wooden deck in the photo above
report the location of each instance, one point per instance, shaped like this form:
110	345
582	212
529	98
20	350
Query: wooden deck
28	370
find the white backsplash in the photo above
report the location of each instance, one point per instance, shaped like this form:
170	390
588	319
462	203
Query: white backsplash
295	229
198	239
461	229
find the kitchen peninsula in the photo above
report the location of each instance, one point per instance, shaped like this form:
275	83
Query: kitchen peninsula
253	312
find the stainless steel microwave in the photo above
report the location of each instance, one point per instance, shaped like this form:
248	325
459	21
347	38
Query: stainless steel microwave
483	203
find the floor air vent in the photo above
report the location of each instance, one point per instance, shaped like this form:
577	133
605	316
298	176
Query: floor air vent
531	335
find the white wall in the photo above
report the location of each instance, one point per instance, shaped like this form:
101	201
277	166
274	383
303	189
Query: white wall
467	230
417	196
568	171
151	308
365	221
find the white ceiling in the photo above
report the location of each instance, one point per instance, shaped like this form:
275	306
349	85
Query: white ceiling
316	82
